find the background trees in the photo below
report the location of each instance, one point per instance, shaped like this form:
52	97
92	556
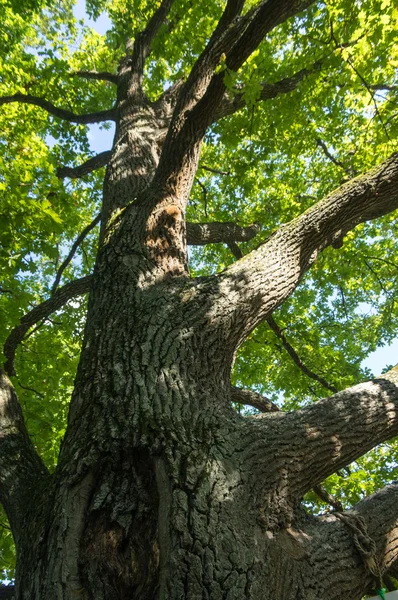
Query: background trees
314	106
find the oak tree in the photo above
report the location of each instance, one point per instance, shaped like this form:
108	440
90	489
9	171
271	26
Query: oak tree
185	313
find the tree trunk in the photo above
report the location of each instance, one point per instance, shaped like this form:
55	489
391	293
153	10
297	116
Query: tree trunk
154	497
162	491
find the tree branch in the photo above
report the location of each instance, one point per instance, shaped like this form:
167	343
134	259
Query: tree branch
254	399
330	434
72	251
196	106
384	86
264	278
229	105
21	469
132	68
331	541
235	250
93	163
97	75
42	311
291	351
200	234
66	115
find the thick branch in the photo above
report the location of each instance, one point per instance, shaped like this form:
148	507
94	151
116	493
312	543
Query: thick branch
335	431
254	399
92	164
264	278
73	249
97	75
98	117
42	311
347	572
21	469
230	105
291	351
381	515
199	234
198	102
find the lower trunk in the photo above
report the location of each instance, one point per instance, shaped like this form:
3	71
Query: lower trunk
180	526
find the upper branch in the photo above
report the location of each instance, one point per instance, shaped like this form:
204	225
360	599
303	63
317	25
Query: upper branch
97	75
235	38
229	105
289	348
258	401
264	278
92	164
132	68
98	117
21	469
42	311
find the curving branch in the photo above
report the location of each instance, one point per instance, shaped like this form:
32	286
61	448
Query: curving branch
92	164
259	282
66	115
21	469
42	311
72	251
96	75
235	250
297	360
232	103
200	234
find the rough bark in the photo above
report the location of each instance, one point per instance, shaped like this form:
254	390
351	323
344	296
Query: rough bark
162	491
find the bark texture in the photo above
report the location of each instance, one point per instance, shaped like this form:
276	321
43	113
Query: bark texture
162	491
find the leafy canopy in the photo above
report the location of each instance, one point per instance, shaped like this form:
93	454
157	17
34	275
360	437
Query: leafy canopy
274	160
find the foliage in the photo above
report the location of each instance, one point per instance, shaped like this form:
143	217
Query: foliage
275	159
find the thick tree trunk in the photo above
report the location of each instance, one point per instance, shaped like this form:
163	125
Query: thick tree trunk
154	497
162	491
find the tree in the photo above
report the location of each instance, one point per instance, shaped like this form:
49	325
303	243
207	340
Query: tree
261	134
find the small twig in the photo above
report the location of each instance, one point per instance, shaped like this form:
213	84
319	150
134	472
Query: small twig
72	251
291	351
30	389
98	75
343	301
204	190
329	155
216	171
3	291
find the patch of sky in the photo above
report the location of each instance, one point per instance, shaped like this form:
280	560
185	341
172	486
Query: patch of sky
101	25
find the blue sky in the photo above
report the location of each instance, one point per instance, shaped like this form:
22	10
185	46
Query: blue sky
101	140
